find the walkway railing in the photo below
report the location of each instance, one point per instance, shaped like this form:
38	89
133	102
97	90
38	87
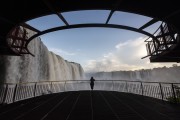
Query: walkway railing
12	92
166	37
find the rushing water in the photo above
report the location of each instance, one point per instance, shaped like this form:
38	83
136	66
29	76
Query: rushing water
45	66
163	74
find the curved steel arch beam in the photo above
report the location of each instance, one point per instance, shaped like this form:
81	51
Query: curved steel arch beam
90	25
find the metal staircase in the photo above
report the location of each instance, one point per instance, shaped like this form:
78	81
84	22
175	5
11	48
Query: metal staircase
165	48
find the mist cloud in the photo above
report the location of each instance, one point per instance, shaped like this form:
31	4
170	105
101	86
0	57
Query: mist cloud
126	56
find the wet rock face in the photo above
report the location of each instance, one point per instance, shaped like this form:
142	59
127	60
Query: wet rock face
45	66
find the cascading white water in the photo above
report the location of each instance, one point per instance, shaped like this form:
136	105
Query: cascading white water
61	69
163	74
45	66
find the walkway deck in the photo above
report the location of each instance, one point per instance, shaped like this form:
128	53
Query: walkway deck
90	105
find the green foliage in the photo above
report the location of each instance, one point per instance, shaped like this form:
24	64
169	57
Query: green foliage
177	99
174	100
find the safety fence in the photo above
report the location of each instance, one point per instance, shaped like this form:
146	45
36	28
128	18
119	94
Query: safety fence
12	92
166	38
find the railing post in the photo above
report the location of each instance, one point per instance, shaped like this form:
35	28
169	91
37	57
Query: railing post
34	93
113	85
14	94
51	87
142	89
5	94
126	87
174	95
161	90
64	86
149	48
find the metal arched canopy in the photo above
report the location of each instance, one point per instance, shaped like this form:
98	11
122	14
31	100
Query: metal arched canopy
90	25
15	12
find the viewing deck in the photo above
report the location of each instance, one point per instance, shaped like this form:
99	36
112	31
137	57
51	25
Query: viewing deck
73	100
90	105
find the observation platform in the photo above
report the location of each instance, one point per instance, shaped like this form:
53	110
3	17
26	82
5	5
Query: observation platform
90	105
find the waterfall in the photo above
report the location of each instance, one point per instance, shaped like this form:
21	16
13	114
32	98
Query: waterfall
45	66
61	69
163	74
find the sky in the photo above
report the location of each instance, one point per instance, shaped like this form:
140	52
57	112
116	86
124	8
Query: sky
99	49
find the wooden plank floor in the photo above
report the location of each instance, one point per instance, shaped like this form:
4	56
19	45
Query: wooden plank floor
90	105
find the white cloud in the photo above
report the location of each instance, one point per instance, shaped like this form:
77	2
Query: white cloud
61	52
122	44
126	56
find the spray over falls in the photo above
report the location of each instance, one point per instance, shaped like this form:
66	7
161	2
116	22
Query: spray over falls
45	66
163	74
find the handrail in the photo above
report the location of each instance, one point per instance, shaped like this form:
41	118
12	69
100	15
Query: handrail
12	92
164	40
154	32
88	80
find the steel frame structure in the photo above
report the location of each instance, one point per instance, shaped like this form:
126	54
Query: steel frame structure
160	46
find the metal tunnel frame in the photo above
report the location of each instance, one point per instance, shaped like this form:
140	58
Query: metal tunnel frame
15	16
90	25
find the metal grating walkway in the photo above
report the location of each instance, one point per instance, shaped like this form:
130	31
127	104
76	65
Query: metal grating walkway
90	105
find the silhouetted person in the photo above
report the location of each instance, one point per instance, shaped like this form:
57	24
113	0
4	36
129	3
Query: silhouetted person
92	83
